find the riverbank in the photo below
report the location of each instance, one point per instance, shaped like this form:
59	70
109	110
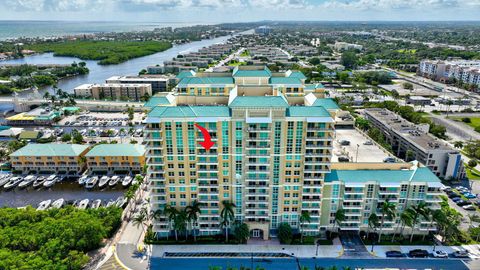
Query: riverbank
106	52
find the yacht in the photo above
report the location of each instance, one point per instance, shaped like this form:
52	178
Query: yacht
58	203
82	180
4	179
13	182
114	180
83	204
39	181
27	181
91	182
96	204
120	202
50	181
103	181
127	181
44	205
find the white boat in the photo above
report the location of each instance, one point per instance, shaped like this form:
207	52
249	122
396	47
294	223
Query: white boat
83	204
111	203
96	204
120	202
27	181
58	203
127	181
50	181
13	182
82	180
58	131
91	182
4	180
44	205
39	181
103	181
114	180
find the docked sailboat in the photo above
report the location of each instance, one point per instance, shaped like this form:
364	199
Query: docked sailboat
82	180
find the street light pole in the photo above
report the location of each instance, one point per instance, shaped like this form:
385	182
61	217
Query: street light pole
356	155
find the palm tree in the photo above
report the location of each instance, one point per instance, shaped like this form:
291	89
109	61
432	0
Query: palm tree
388	212
46	96
141	219
53	99
417	211
171	214
405	220
304	217
339	218
180	223
156	216
227	215
373	222
192	214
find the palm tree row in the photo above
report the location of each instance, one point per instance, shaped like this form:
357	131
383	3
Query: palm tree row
186	219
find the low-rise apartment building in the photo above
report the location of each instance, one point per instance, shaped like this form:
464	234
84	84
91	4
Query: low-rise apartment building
413	142
158	83
466	71
361	192
116	159
114	91
65	159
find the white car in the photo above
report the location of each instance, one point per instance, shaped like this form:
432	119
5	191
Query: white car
440	254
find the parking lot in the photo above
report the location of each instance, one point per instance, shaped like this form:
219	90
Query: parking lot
465	201
359	149
95	119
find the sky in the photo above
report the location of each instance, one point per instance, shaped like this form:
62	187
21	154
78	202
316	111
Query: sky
215	11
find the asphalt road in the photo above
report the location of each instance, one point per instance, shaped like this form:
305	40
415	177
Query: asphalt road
293	264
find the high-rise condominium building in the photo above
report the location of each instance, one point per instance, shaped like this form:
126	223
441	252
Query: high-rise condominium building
271	153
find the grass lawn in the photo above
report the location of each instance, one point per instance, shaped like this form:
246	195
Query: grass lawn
474	121
472	173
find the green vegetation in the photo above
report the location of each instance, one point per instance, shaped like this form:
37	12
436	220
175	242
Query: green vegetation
285	234
107	52
474	122
26	76
245	53
373	77
53	239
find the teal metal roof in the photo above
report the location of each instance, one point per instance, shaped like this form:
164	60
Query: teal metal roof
327	103
265	72
302	111
314	86
285	80
297	74
156	101
121	150
205	80
190	111
259	101
50	149
184	74
387	176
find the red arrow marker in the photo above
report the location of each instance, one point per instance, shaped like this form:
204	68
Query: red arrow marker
207	139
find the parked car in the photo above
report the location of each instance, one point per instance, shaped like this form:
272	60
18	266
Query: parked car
343	159
454	195
394	254
469	195
456	199
477	202
389	160
368	142
460	254
418	253
462	203
440	254
469	207
344	142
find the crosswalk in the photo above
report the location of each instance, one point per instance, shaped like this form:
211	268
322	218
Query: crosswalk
111	264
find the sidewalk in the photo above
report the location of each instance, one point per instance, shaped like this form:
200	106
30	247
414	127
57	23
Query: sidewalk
379	251
300	251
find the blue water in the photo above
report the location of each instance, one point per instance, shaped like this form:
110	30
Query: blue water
16	29
291	264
